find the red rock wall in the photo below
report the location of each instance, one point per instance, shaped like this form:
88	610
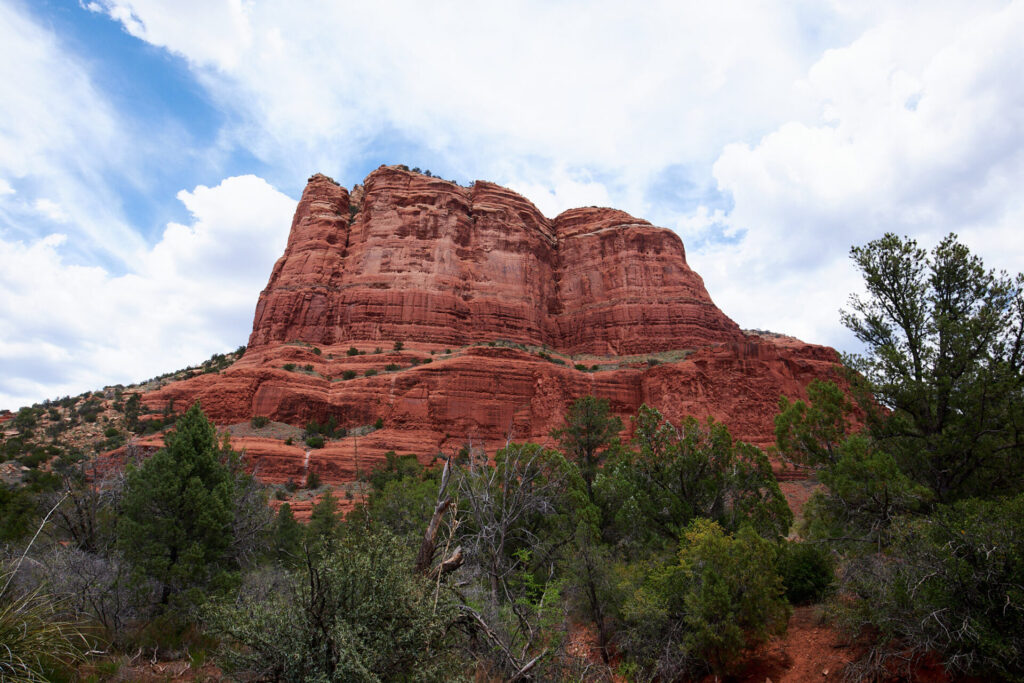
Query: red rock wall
429	261
486	395
435	265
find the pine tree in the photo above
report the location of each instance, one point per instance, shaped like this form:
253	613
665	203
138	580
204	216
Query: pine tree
175	525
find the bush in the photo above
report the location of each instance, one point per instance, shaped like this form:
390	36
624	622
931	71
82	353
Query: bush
378	350
580	367
312	480
356	613
289	441
352	351
595	367
317	351
651	362
259	421
315	441
391	367
370	373
308	367
348	374
722	597
379	424
951	583
399	346
289	367
807	572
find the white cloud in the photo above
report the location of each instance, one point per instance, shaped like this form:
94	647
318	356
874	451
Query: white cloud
51	210
921	133
59	138
602	84
825	124
65	328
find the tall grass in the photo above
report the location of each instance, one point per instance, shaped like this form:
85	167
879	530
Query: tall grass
35	638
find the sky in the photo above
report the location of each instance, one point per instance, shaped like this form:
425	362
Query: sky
152	153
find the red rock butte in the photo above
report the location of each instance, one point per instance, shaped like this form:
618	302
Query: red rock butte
517	314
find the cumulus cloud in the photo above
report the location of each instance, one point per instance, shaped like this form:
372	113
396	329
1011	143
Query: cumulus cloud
772	136
920	132
66	328
630	88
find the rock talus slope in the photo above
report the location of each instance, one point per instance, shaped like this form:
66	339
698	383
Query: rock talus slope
502	302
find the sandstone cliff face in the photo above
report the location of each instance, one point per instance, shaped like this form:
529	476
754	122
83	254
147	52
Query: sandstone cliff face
429	261
450	271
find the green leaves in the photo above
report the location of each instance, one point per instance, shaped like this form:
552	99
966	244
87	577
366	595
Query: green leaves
177	511
943	340
722	596
675	474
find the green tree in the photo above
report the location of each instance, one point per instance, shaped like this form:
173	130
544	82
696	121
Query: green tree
287	537
722	596
810	433
942	367
589	432
324	522
176	516
675	474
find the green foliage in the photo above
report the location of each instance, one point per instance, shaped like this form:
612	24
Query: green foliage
259	421
131	412
352	351
399	346
807	572
177	512
379	423
369	372
589	432
315	441
290	367
348	374
864	492
328	428
943	366
953	583
395	468
675	475
286	537
17	513
810	434
324	522
37	640
355	614
722	596
403	505
391	367
25	419
312	479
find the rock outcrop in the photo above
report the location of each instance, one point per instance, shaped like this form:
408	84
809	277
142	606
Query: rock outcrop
421	259
505	318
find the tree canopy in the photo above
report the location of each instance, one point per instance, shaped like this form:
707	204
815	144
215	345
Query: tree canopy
942	366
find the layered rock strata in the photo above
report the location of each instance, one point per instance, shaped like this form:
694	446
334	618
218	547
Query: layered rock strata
505	317
421	259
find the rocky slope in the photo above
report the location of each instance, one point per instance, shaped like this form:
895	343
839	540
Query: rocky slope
501	317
